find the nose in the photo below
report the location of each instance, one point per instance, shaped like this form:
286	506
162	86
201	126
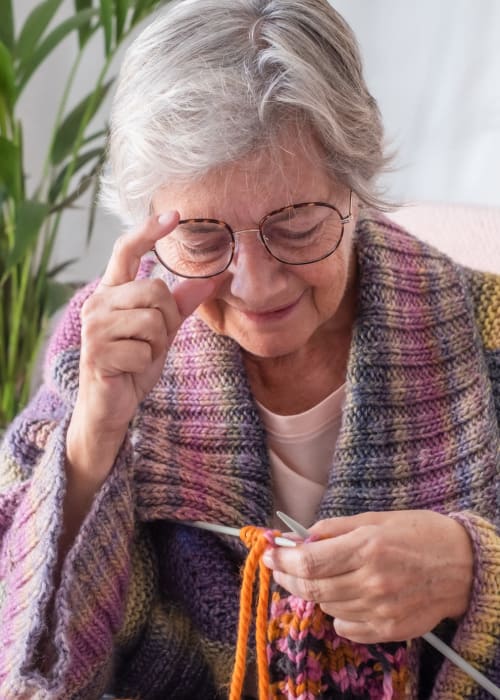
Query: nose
254	271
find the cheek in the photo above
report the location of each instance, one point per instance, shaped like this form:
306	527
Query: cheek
330	281
212	310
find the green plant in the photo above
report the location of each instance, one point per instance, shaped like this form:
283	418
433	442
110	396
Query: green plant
30	221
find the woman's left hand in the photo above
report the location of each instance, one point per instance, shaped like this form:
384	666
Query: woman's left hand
385	576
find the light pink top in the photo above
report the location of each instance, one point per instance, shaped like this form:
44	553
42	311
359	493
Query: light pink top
301	451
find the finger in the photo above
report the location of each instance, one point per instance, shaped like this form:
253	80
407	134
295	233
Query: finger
154	293
361	632
145	324
129	248
189	294
333	527
324	590
140	293
135	295
176	304
126	357
318	559
376	631
350	611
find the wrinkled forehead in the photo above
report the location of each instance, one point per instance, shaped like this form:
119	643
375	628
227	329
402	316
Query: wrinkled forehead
285	172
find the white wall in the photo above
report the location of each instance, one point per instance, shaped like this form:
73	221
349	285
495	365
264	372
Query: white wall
433	66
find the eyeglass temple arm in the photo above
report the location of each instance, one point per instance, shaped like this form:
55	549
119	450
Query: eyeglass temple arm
348	218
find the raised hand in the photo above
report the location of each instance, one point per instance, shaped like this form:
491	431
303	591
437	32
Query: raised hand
128	326
385	576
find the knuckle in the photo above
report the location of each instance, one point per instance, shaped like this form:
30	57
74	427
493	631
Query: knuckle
142	357
327	609
150	318
387	630
384	613
88	307
90	323
154	322
305	564
310	590
158	287
377	587
120	245
373	546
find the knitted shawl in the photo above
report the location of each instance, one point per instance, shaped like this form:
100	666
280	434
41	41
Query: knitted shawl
147	607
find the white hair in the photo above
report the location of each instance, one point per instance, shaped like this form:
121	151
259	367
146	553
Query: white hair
210	81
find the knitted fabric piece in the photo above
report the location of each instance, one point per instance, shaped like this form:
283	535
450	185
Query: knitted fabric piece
419	430
308	658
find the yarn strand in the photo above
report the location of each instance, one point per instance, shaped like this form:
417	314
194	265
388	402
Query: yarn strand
257	540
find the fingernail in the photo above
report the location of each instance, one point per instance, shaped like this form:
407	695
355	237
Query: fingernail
166	218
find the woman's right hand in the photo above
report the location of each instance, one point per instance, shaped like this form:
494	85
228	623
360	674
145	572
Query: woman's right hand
128	326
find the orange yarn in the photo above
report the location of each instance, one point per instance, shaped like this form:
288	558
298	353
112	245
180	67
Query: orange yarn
256	539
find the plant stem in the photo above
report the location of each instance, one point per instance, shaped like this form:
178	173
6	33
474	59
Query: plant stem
18	302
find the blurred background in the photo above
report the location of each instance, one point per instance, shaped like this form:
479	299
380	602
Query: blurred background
433	67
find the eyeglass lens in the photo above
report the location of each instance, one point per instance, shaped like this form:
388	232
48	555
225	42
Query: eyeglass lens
297	235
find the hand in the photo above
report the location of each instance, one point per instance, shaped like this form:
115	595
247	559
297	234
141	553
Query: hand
384	577
128	326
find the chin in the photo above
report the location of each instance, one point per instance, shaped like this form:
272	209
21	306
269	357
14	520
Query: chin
266	343
268	347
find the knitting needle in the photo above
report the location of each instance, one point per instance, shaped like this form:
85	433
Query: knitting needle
234	532
429	637
294	526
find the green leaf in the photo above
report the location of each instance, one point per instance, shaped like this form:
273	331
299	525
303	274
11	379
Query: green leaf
143	8
34	26
61	267
29	218
33	61
6	23
85	30
82	160
9	167
58	294
7	77
121	9
3	198
83	186
106	14
96	135
64	140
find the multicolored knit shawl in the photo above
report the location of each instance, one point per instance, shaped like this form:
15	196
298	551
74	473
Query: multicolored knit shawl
148	608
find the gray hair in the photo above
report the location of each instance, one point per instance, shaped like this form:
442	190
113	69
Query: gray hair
210	81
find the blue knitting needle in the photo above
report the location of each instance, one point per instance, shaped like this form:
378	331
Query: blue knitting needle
429	637
234	532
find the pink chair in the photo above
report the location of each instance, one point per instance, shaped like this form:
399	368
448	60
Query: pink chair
468	234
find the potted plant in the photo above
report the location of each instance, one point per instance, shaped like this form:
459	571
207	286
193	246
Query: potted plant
30	220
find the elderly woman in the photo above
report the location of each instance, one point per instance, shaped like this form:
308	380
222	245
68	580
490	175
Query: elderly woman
261	338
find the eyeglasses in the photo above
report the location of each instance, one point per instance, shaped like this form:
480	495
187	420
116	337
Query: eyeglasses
299	234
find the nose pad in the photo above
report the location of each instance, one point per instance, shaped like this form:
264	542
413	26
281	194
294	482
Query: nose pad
238	237
254	270
250	246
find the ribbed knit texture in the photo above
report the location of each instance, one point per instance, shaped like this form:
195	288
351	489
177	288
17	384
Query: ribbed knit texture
149	609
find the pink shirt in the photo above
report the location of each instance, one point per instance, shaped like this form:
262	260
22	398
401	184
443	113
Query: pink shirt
301	451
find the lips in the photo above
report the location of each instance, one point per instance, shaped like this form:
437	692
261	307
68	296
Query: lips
274	313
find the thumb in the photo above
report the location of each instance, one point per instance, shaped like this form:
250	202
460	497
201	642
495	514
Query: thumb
189	294
333	527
